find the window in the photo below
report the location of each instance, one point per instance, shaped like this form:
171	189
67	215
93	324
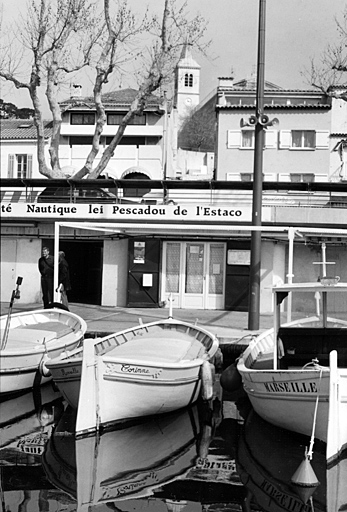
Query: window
303	139
80	140
302	177
20	166
247	138
117	118
188	80
246	176
128	141
83	118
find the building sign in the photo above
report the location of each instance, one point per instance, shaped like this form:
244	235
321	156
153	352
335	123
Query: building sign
236	257
139	252
137	212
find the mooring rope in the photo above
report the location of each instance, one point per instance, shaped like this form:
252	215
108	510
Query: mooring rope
310	451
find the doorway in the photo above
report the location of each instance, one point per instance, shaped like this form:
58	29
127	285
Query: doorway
143	275
194	273
85	261
237	276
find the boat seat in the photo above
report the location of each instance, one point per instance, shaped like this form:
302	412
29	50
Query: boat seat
20	338
149	349
196	350
56	329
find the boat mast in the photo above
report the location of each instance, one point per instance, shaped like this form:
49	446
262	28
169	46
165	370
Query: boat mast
324	264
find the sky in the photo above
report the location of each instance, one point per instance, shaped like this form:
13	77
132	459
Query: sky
296	31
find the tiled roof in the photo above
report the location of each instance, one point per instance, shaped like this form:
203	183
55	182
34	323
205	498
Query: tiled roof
276	107
186	59
120	98
21	129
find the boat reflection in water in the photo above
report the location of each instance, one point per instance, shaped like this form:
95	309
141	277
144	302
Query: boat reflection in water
267	459
123	463
26	422
28	414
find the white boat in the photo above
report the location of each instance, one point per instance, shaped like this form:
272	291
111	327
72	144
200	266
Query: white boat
145	370
295	375
125	463
30	339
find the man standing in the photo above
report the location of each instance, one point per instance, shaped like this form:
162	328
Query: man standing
46	268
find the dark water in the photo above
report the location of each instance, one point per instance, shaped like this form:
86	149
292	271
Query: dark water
220	457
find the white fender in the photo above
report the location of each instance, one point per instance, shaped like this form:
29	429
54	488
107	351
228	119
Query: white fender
43	370
207	379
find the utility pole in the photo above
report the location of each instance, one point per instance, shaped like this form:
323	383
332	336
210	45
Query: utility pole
261	121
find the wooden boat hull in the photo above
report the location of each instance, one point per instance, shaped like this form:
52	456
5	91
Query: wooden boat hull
288	398
144	390
66	374
34	338
120	378
147	370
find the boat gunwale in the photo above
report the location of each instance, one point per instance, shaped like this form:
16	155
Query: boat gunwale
183	364
74	357
246	355
50	312
41	348
77	333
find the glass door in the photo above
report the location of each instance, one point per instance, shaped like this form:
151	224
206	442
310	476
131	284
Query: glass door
194	274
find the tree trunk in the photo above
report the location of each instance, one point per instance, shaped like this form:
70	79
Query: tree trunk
55	109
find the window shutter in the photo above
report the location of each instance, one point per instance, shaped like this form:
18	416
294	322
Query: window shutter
285	139
322	139
30	166
10	166
271	139
233	139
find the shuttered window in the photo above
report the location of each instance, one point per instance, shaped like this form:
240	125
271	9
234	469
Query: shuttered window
10	166
20	166
304	139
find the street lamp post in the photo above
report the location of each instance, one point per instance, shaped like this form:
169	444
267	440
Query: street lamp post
261	121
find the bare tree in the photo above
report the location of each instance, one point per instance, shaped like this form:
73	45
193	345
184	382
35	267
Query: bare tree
168	33
330	70
63	36
55	39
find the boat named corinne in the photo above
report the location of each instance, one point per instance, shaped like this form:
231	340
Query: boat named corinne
145	370
295	374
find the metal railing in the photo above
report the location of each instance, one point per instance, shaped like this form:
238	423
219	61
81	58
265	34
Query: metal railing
331	195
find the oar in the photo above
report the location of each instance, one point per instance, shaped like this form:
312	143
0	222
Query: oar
15	295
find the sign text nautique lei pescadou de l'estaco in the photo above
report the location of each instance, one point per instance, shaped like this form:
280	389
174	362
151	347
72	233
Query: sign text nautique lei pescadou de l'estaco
112	212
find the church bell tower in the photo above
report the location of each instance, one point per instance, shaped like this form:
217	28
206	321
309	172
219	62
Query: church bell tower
187	84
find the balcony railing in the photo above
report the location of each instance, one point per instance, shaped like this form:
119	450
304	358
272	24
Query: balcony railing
315	195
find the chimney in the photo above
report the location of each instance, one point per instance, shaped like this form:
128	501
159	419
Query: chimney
75	90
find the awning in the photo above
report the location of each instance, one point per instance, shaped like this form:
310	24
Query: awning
19	196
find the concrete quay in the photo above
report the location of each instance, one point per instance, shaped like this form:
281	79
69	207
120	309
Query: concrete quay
229	326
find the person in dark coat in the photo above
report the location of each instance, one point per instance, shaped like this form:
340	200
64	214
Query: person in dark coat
46	269
64	284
